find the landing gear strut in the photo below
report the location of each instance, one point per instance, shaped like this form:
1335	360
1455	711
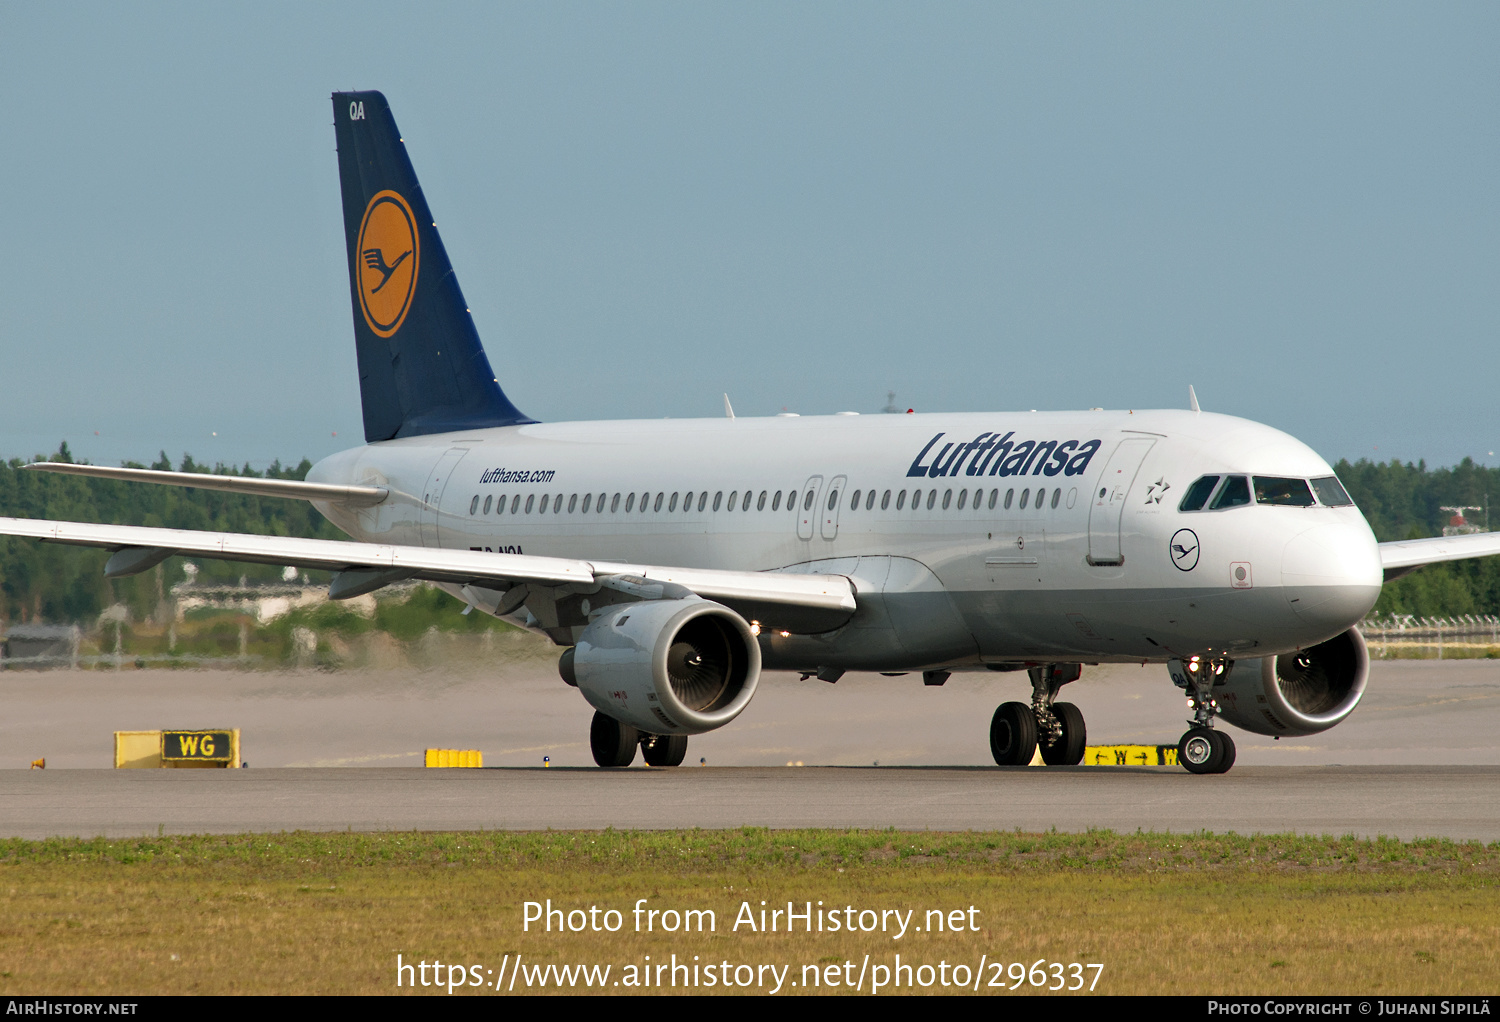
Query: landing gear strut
1018	730
1203	750
614	743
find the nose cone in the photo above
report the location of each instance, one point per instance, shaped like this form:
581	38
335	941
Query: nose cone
1331	574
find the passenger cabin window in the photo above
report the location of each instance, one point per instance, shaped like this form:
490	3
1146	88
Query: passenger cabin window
1056	496
900	500
1235	493
833	499
614	504
1198	494
474	504
807	501
854	501
760	502
745	501
885	500
931	498
702	500
487	504
1282	492
1331	492
776	501
657	506
870	500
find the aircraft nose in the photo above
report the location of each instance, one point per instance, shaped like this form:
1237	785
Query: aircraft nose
1331	574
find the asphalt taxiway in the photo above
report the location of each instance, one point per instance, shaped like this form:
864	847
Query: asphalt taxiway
1462	803
1418	758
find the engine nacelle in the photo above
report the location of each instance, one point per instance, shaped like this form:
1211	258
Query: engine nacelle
668	667
1300	693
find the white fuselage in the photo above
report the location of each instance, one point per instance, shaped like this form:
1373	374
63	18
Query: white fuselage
955	561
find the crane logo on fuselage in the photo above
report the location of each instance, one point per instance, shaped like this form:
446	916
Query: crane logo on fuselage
996	455
386	262
1184	549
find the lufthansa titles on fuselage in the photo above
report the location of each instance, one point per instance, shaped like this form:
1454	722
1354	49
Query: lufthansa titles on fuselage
996	455
505	475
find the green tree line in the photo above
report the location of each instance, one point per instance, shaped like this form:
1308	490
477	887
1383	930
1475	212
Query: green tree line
51	582
1405	501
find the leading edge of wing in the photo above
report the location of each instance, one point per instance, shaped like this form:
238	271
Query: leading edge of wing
829	593
1406	555
355	496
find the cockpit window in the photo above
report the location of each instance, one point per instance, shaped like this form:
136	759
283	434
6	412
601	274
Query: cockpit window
1235	493
1198	494
1331	492
1282	492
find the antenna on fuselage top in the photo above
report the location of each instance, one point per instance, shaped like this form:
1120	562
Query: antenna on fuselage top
728	408
1193	399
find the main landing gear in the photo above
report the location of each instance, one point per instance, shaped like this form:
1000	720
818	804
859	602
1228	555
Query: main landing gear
1018	730
1203	750
614	743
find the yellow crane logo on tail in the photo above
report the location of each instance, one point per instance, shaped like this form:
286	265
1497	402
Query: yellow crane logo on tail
387	262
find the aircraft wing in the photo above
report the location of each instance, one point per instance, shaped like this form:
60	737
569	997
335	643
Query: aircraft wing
357	496
796	602
1403	557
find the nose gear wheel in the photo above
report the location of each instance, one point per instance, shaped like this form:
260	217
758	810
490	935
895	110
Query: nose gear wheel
1205	751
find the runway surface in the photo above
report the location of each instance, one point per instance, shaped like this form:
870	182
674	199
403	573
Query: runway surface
1452	802
1419	757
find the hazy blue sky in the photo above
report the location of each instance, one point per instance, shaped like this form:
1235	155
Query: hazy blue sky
980	206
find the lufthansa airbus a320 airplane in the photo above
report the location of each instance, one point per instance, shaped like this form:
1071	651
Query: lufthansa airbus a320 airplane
676	559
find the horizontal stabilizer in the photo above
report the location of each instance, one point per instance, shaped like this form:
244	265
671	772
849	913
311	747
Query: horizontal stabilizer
355	496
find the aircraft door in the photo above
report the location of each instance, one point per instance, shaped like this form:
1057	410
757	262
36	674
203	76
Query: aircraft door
808	507
432	493
1109	495
830	505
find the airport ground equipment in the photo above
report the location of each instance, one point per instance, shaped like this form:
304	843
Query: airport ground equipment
213	748
447	758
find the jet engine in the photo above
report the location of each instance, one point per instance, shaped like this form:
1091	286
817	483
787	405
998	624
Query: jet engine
667	667
1300	693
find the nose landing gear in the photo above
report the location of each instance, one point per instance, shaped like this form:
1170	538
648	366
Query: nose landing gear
1203	750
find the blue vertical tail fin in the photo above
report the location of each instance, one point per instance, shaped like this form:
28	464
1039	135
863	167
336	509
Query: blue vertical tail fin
421	367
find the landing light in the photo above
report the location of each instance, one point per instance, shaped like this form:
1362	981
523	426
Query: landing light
754	627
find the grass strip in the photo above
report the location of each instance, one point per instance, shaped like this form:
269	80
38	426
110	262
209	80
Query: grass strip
1164	913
